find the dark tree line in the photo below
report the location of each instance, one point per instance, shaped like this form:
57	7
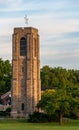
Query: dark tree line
50	77
60	92
58	78
5	76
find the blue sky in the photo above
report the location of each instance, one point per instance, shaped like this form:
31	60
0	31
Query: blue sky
58	24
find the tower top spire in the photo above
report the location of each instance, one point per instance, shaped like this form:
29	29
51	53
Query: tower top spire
26	19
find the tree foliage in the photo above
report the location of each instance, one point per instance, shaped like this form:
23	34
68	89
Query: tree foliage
65	97
5	76
58	77
59	101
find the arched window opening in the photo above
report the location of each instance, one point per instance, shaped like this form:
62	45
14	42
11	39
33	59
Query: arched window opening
23	47
22	107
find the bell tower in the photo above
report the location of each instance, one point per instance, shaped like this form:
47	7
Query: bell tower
26	90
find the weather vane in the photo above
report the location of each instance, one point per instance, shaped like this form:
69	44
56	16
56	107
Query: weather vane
26	19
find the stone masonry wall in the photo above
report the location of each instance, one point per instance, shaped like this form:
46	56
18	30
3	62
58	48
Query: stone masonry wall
26	89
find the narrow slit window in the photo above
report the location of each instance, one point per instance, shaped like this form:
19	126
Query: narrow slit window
22	107
23	47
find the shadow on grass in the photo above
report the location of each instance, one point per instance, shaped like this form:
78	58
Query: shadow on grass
66	122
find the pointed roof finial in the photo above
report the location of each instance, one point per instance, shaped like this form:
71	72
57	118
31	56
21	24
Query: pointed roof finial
26	19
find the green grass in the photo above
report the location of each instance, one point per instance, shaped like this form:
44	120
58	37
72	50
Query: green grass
11	124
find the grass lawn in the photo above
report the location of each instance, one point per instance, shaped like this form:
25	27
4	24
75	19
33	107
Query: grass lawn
11	124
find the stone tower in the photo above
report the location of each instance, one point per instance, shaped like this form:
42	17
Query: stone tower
26	90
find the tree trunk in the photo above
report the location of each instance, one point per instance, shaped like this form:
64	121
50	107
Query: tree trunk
61	118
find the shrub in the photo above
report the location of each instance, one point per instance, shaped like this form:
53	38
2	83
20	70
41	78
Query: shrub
42	117
5	113
2	113
8	110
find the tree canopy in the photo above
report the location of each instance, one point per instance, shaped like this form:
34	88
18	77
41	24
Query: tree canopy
5	76
65	97
60	101
58	77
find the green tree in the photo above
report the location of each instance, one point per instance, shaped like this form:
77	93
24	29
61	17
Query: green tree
45	77
5	76
58	100
74	91
58	77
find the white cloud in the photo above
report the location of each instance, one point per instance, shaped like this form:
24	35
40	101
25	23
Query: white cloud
52	20
6	51
20	5
58	58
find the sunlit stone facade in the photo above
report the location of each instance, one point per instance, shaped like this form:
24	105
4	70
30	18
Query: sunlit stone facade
26	90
